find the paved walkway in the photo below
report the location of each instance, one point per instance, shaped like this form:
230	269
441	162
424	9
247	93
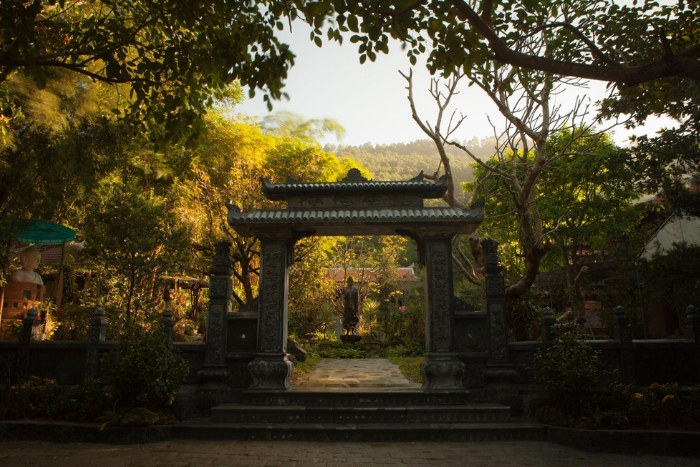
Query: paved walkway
361	374
186	453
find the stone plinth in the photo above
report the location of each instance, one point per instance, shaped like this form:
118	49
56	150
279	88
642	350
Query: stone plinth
350	338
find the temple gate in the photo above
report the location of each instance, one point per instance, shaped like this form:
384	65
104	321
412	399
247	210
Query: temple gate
358	206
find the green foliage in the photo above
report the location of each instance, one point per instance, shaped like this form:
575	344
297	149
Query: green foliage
570	372
45	398
57	151
144	370
524	316
170	60
74	323
136	237
303	369
603	40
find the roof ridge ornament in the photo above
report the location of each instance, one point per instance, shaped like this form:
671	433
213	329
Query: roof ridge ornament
418	178
354	176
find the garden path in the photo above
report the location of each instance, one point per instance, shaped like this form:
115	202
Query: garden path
358	374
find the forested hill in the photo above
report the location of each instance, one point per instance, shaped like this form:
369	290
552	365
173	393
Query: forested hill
403	161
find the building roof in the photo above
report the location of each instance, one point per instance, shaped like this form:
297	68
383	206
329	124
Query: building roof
377	221
678	228
355	183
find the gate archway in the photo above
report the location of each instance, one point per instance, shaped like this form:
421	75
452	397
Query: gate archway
351	206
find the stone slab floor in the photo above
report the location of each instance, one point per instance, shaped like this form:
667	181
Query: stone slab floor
186	453
362	374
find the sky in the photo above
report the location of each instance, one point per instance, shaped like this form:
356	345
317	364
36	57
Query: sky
370	100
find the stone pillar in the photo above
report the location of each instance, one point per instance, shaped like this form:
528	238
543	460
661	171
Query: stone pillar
692	331
548	322
96	334
442	370
498	368
621	332
29	324
270	368
214	372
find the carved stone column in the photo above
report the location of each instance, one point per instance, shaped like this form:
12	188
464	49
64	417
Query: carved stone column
442	370
499	369
271	369
214	372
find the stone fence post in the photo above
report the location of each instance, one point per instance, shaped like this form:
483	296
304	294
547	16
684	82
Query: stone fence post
692	331
548	322
499	368
622	333
29	325
214	372
96	335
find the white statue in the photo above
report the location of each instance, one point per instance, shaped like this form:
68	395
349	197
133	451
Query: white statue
30	259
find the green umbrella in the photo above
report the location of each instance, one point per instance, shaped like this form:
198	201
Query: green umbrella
37	232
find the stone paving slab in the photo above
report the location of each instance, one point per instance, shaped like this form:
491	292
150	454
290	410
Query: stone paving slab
187	453
366	374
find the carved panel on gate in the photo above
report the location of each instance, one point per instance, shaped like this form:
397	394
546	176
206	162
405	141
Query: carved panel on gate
271	304
215	334
499	341
440	297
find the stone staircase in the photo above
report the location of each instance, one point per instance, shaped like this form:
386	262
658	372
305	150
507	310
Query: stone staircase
323	409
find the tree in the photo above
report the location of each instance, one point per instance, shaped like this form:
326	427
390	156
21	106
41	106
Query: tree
56	146
172	58
585	198
226	168
521	155
134	237
599	39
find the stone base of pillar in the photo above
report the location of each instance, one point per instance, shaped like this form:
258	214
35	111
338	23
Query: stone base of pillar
500	374
212	379
211	389
442	372
271	371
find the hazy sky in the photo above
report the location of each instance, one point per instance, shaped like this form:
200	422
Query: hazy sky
370	100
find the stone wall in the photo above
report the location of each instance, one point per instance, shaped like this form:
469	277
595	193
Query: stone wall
635	361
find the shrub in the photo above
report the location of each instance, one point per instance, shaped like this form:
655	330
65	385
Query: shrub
145	370
570	372
45	398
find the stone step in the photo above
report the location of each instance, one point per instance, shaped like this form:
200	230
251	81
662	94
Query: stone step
291	414
511	431
368	398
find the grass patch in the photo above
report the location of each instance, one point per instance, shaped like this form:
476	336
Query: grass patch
409	366
302	370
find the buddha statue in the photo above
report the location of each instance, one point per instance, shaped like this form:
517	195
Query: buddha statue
30	259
